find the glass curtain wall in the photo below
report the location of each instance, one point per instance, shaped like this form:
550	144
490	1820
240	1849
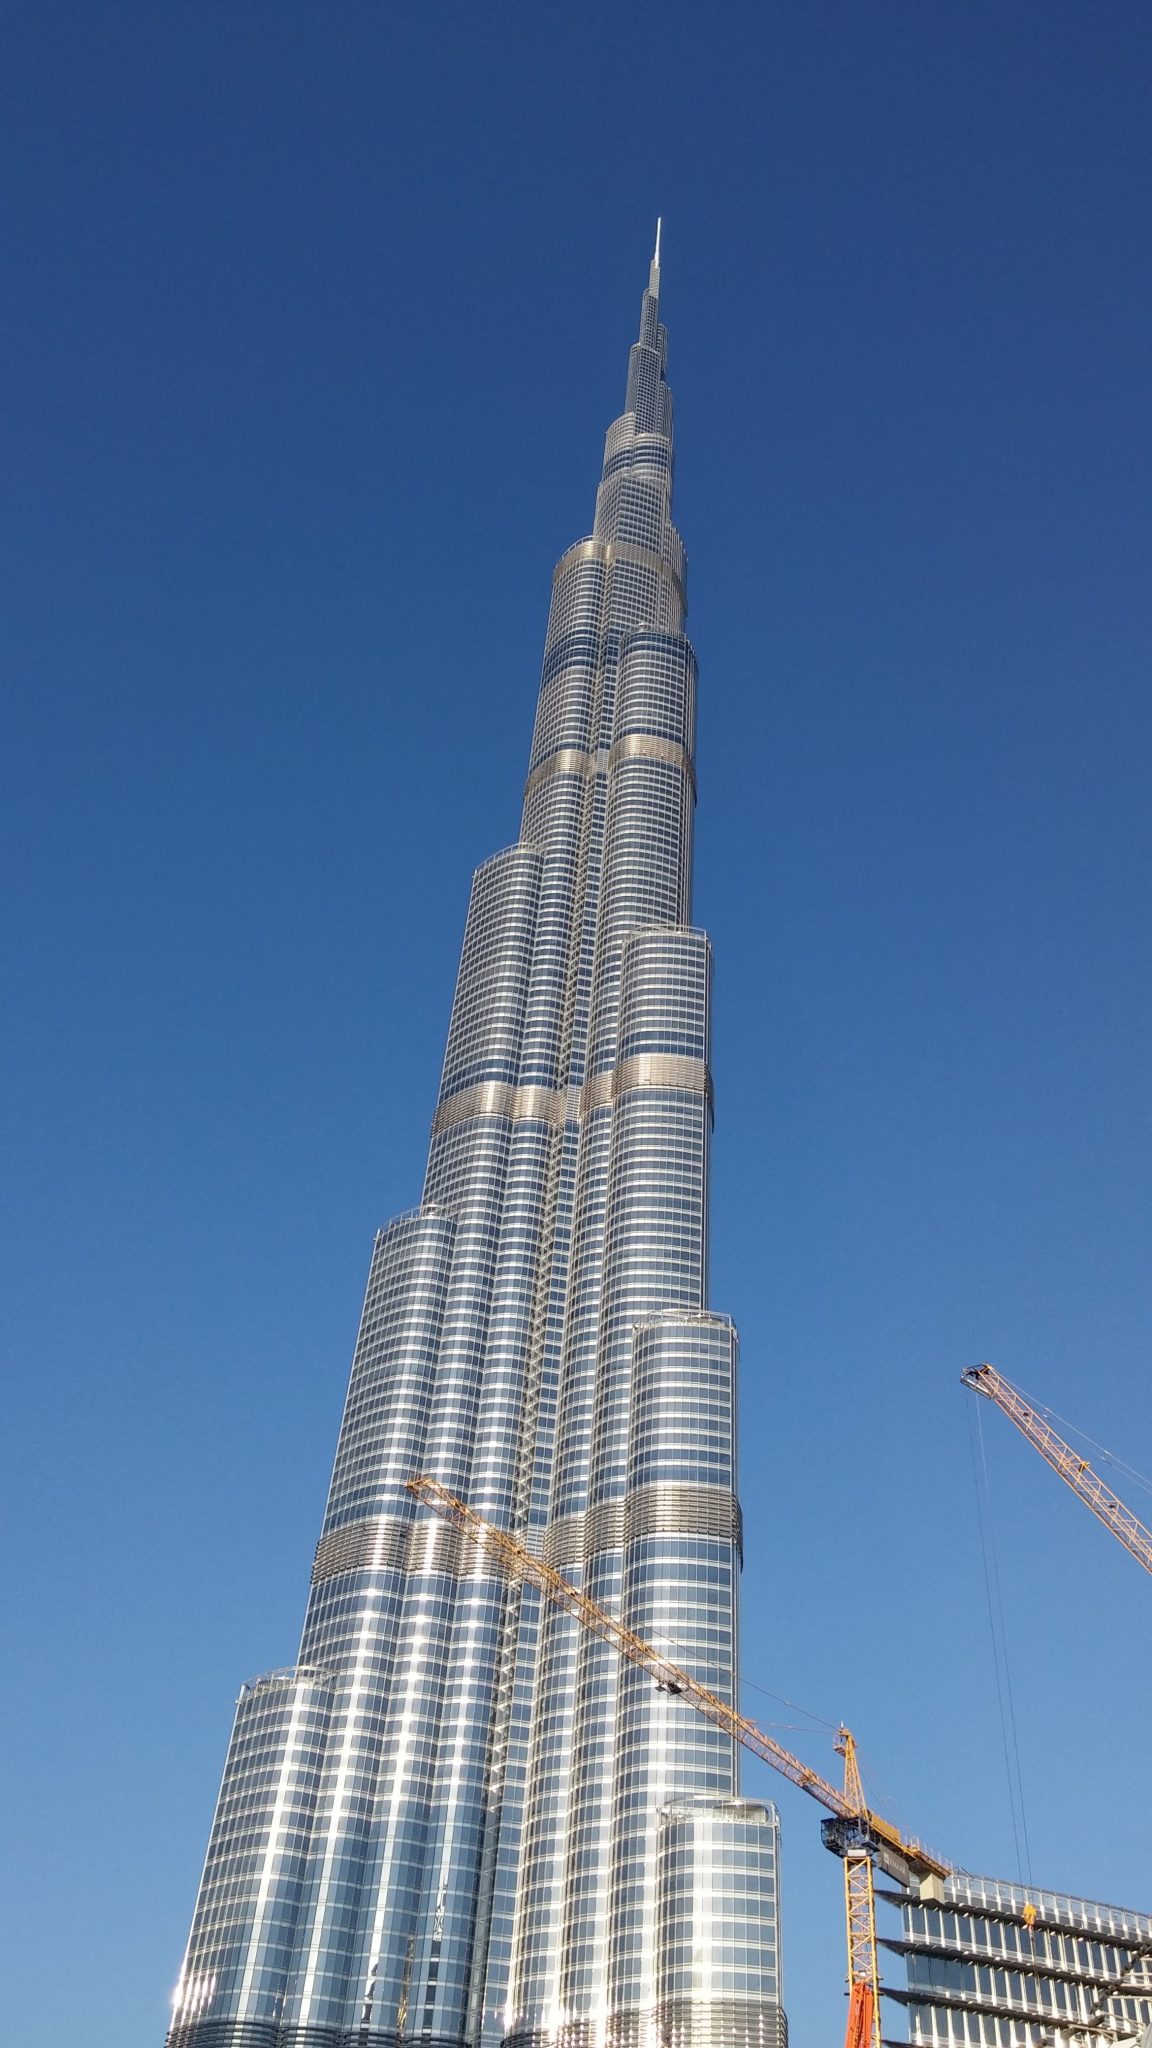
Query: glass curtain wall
443	1824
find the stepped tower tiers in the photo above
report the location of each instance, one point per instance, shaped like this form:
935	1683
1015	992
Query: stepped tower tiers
456	1820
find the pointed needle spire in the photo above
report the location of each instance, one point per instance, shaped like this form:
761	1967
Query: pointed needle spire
654	271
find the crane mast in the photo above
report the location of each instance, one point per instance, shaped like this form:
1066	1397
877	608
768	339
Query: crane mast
1075	1471
863	2029
856	1834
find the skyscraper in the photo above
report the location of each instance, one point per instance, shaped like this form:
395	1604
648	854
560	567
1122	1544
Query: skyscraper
456	1820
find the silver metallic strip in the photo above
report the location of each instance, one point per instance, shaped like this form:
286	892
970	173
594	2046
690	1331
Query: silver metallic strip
677	1507
662	1070
604	1527
647	1070
379	1543
565	761
500	1098
633	746
667	1507
597	1090
651	746
609	551
564	1541
552	1105
579	2034
722	2023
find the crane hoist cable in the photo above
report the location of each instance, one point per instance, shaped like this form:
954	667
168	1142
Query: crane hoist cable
858	1836
1075	1471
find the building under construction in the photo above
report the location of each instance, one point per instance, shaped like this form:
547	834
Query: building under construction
1005	1966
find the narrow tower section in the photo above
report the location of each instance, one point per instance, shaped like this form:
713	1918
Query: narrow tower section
455	1821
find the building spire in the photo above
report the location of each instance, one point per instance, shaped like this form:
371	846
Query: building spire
648	395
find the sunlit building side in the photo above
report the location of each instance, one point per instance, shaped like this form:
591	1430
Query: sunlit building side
455	1820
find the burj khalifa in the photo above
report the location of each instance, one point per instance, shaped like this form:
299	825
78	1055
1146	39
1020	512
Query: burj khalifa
456	1820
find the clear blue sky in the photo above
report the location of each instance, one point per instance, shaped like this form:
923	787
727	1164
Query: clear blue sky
317	316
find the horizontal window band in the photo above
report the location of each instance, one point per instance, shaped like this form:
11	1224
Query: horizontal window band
610	551
632	746
558	1105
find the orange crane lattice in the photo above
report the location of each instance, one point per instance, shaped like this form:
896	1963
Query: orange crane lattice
1075	1471
854	1832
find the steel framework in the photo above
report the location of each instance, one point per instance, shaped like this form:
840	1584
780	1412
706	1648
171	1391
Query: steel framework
1075	1471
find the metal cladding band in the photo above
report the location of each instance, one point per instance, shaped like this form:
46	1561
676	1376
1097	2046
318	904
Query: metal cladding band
553	1106
267	2034
565	761
604	1527
500	1098
564	1542
633	746
648	1070
383	1543
647	746
677	1507
386	1543
612	551
442	1827
666	1508
377	1544
721	2023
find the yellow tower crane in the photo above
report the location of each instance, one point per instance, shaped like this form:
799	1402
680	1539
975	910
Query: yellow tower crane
856	1834
1074	1470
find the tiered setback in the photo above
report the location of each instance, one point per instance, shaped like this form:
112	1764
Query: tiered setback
445	1824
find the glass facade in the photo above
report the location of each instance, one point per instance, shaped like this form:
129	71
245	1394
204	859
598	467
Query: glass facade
456	1820
979	1975
718	1927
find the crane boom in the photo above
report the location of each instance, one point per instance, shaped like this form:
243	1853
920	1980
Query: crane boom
519	1563
1075	1471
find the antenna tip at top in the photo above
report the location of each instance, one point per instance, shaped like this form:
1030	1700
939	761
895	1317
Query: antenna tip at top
656	251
